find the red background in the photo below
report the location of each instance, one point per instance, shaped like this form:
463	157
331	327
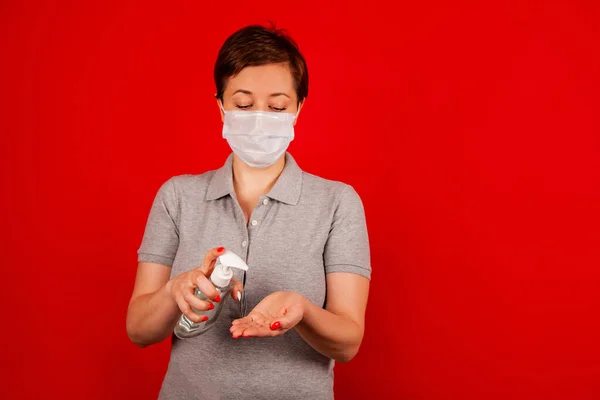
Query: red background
470	129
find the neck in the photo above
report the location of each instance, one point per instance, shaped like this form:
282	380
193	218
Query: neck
248	181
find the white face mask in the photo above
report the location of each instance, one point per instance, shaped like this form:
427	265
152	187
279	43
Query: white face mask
258	138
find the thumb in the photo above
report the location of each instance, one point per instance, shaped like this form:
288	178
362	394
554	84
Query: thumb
290	318
237	290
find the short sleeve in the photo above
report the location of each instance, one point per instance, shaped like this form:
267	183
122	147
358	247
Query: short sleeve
161	236
347	247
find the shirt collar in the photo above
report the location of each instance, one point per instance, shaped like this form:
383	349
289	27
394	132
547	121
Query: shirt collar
287	188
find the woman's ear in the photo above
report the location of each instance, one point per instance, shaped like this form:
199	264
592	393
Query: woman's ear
221	107
300	105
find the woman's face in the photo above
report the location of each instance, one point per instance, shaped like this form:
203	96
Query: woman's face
267	87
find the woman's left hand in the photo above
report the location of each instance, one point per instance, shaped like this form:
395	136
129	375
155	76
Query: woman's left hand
274	315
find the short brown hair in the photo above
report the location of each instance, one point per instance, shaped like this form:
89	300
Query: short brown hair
258	45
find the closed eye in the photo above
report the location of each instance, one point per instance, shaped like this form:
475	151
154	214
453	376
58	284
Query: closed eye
277	109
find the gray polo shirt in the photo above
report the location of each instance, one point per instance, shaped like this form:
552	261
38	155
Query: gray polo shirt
304	228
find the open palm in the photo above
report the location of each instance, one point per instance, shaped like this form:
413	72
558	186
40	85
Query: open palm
274	315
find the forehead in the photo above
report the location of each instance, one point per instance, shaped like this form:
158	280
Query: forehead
263	79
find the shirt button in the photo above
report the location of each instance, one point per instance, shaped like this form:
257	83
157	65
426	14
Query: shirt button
254	223
244	243
265	201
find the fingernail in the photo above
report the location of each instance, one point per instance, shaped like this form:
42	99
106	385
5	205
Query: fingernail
220	249
217	299
205	318
239	296
211	306
276	325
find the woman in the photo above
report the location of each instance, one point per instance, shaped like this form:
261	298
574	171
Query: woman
301	305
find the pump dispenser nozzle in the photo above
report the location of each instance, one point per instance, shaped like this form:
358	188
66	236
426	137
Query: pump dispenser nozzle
222	274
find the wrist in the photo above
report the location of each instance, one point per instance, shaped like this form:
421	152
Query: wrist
168	289
304	305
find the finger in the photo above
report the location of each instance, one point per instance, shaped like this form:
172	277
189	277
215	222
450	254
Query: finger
245	330
254	325
259	331
206	287
196	303
209	260
187	310
244	320
236	292
238	329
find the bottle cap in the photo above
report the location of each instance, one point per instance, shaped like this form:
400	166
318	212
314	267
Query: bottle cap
222	274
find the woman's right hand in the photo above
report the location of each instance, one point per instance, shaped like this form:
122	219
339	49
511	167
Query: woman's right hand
181	288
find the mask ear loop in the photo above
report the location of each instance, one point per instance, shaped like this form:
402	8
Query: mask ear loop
298	112
221	105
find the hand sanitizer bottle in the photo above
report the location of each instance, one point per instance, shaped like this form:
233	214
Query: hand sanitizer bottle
221	278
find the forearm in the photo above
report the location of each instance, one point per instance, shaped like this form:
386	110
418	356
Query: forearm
335	336
151	317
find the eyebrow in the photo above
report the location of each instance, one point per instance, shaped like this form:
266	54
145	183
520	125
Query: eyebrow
279	94
244	91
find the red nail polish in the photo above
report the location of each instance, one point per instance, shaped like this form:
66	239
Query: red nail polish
217	299
276	325
220	249
205	318
211	306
